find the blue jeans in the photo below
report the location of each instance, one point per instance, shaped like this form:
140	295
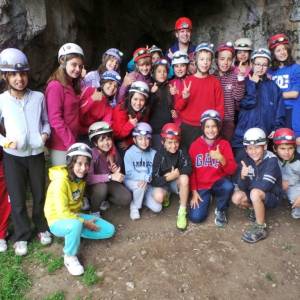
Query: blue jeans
221	190
72	230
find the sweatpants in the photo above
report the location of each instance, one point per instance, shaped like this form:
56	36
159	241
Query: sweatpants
19	171
112	191
4	205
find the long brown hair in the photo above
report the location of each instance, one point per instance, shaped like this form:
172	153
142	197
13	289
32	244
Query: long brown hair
105	58
276	63
60	74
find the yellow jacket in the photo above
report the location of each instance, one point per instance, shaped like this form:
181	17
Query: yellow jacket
64	197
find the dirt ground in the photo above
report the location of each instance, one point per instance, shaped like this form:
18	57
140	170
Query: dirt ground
151	259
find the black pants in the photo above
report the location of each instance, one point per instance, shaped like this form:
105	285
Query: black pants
188	134
19	171
113	191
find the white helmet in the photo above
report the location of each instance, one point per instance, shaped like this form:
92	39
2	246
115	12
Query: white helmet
180	57
261	52
243	44
69	48
98	128
78	149
13	60
140	87
255	136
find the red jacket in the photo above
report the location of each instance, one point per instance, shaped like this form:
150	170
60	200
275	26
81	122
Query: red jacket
206	171
92	111
205	93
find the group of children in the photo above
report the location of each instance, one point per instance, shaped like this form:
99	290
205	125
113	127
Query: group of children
172	125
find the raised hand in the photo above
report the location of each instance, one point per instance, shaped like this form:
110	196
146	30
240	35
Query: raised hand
254	78
117	176
186	90
244	170
90	224
154	88
216	154
132	120
97	96
128	79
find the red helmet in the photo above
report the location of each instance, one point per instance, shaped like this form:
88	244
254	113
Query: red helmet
183	23
284	136
141	53
277	39
226	46
171	131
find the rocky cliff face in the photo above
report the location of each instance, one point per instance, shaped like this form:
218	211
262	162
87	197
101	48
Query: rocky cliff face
41	26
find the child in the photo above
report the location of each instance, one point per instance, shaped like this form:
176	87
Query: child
284	140
213	163
233	87
142	60
105	178
183	33
63	203
262	105
201	91
111	61
286	73
243	49
128	113
26	124
171	168
138	170
259	183
63	102
161	101
96	106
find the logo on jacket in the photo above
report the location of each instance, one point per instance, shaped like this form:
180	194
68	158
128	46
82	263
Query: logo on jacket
251	172
76	195
206	161
142	163
282	81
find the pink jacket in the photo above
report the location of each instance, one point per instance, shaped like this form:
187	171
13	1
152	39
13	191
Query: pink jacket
63	113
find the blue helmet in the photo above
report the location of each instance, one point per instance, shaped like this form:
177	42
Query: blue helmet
111	75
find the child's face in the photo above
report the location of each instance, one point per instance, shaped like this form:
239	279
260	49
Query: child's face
180	70
17	80
281	53
104	143
224	61
110	88
74	67
112	64
81	166
155	56
183	36
142	141
171	145
242	55
138	102
204	61
211	130
260	66
285	151
192	68
144	66
161	73
256	152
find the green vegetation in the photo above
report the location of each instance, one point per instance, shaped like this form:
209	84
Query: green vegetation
90	277
56	296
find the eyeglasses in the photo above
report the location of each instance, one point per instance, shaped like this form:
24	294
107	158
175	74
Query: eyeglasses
284	138
280	40
261	65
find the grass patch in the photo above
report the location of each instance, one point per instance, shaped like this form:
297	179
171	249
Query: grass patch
270	277
14	282
90	277
60	295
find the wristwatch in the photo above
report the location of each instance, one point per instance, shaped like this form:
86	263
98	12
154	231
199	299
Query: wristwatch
109	177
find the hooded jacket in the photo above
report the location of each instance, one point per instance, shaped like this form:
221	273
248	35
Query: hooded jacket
64	197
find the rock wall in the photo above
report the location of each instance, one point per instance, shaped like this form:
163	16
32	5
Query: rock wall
41	26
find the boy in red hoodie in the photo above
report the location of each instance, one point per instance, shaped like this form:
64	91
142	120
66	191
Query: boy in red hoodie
212	163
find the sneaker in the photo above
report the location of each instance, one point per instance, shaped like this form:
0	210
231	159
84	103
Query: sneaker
134	214
250	214
295	213
85	204
73	265
181	219
104	205
20	248
3	245
220	218
166	201
255	233
45	238
96	214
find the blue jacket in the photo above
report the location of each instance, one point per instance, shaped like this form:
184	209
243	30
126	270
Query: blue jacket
261	107
266	176
138	164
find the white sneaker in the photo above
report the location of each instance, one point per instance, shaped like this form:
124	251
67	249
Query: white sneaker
104	205
3	245
134	214
73	265
20	248
86	204
45	238
295	213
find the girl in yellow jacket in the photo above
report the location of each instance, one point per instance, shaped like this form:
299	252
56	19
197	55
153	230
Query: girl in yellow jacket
63	204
